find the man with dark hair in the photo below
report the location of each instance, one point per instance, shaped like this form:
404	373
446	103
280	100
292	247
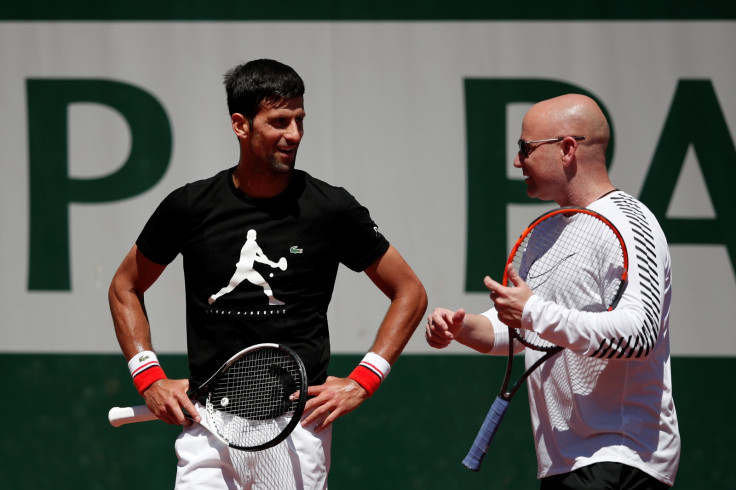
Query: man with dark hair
304	229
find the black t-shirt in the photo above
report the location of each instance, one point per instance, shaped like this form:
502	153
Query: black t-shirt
260	270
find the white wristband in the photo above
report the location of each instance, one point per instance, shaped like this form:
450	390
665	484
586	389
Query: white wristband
377	364
142	361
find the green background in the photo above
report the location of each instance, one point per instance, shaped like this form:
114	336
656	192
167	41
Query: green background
411	435
370	10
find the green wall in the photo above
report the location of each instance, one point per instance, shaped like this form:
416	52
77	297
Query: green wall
411	435
370	10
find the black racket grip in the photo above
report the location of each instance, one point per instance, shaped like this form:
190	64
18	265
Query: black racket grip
485	435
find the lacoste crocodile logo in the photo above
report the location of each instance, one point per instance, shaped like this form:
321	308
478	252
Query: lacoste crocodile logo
296	250
143	358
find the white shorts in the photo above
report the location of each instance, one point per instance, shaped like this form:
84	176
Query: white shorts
301	462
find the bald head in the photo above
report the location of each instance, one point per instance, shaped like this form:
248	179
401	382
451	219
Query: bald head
571	115
569	171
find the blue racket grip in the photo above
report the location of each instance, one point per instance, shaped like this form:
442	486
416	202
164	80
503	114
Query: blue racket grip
485	435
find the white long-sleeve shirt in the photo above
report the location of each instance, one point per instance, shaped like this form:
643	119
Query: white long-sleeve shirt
608	396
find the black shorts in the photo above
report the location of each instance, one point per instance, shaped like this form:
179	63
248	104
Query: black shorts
603	476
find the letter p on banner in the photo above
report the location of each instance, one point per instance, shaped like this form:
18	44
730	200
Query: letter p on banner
52	189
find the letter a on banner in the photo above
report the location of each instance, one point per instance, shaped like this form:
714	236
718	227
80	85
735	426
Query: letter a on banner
695	119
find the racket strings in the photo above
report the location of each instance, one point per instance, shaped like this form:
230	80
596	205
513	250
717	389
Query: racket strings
250	405
574	259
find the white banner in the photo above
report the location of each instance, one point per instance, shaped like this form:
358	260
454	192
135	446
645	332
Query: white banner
385	119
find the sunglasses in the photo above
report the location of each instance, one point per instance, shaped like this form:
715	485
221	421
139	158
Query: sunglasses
525	146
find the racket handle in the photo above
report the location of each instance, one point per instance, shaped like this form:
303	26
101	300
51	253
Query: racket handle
127	415
485	435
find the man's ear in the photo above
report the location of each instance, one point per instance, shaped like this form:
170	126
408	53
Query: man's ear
240	125
569	147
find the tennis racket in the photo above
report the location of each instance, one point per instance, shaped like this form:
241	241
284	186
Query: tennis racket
248	405
281	264
574	257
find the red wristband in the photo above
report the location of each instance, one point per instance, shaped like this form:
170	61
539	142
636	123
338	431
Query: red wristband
366	378
148	377
371	371
145	370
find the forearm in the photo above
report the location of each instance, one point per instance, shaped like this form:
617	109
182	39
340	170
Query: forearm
587	333
401	320
477	333
393	276
129	319
125	296
134	337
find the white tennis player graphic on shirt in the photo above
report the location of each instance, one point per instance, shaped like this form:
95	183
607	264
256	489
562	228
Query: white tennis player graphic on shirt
244	271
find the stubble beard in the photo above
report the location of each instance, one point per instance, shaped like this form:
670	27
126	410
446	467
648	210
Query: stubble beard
280	166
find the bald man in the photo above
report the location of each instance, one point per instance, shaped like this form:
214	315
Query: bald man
602	410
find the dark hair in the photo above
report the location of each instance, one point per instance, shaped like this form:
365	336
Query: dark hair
251	85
